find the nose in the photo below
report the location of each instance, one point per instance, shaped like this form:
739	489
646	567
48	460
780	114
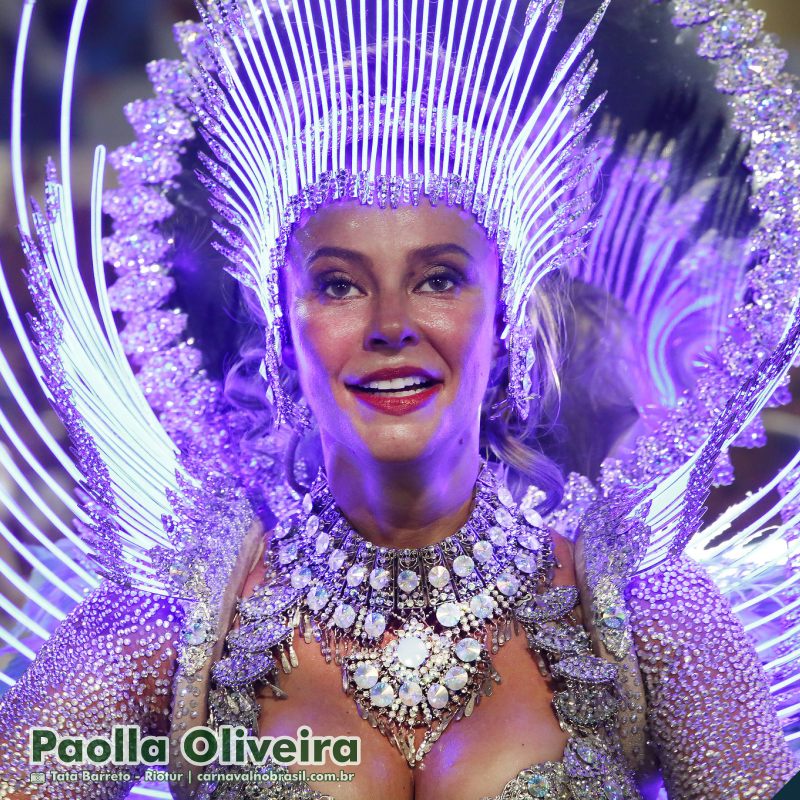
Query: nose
392	326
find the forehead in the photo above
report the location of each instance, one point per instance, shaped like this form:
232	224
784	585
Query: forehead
370	228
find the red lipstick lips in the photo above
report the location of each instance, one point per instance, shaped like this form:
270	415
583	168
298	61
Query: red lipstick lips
396	391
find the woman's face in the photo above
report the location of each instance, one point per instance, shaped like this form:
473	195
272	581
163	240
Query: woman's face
392	318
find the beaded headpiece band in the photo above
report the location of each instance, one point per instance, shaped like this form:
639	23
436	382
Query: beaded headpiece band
296	119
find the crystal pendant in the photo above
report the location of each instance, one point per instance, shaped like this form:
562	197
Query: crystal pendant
448	614
410	693
463	566
336	559
529	540
497	536
197	633
468	649
538	785
312	524
438	577
381	694
508	583
301	577
375	624
356	575
586	753
322	542
482	606
532	517
344	615
503	517
612	791
379	578
456	678
483	552
365	676
317	598
408	580
288	553
437	696
613	617
504	496
525	562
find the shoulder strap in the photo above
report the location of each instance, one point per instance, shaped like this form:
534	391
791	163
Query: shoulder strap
191	682
631	722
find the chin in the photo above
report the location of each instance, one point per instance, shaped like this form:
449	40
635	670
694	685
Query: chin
385	438
393	440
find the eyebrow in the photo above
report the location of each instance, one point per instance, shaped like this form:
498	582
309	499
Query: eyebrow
426	252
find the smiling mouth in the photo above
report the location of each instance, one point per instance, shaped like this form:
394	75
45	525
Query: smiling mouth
396	395
396	387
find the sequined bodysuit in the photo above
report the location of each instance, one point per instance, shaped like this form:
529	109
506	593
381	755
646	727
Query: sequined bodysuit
710	716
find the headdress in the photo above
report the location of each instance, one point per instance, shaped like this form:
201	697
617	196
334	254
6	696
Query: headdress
296	118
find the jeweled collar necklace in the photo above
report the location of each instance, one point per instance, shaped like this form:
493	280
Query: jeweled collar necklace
414	630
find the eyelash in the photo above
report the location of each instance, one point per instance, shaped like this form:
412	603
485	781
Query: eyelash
328	280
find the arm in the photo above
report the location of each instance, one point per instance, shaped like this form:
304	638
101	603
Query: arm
710	714
109	663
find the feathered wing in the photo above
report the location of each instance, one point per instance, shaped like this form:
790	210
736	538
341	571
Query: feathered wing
129	470
676	282
128	465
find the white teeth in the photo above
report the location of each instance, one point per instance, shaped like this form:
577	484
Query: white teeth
395	384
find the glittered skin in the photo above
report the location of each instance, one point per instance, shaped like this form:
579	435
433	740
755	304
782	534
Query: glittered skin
111	662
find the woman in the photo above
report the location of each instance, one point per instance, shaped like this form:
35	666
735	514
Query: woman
400	299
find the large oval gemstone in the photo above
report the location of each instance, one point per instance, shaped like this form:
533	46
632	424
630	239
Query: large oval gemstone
411	651
322	542
503	517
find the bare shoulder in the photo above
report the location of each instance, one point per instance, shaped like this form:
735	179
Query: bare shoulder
257	572
564	551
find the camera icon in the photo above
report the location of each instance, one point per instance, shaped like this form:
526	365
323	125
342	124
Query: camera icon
37	777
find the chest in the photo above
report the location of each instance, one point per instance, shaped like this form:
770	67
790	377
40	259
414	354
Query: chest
474	757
